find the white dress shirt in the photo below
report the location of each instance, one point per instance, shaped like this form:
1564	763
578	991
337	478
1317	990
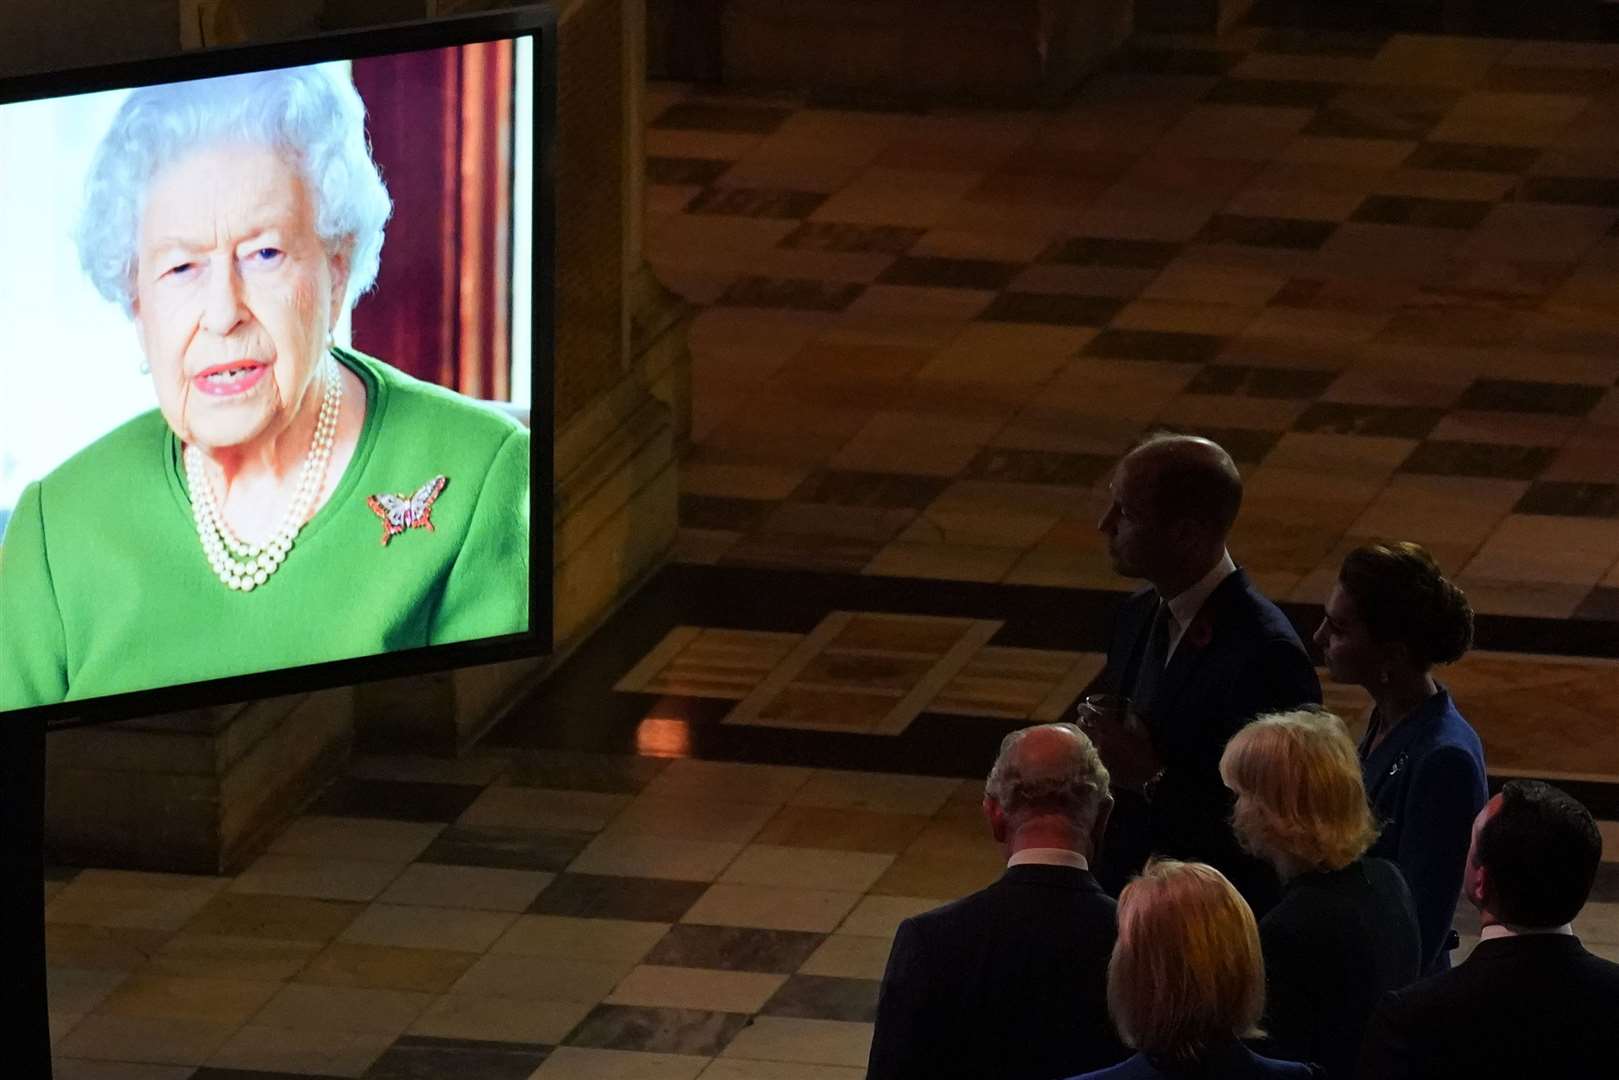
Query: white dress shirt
1048	856
1500	930
1184	607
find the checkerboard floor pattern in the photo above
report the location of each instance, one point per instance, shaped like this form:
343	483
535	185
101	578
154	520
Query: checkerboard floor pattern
1382	269
540	914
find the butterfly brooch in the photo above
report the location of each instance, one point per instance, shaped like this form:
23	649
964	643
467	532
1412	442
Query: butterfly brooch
401	512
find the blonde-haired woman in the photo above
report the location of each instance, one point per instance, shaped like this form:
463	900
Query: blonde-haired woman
1345	931
1187	983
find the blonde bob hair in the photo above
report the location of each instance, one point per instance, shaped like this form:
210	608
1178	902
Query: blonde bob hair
1301	800
1187	973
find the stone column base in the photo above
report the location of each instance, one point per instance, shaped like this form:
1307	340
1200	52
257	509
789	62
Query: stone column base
196	792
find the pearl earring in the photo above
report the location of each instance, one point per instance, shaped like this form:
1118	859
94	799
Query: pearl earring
146	368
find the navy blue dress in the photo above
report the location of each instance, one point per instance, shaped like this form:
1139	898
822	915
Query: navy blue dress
1426	783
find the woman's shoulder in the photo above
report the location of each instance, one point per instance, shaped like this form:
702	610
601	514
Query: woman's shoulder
1136	1067
127	460
456	420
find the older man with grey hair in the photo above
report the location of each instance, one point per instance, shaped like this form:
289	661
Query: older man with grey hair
1011	981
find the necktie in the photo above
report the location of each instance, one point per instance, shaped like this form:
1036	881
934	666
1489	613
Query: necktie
1152	662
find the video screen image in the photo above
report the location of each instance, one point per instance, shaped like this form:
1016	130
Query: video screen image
266	376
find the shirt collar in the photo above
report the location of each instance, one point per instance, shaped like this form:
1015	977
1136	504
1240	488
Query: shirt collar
1185	606
1048	856
1499	930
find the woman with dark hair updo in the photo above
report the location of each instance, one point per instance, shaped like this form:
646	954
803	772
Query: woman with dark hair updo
1389	620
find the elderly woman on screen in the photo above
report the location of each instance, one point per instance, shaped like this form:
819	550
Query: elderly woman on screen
1186	983
235	528
1345	930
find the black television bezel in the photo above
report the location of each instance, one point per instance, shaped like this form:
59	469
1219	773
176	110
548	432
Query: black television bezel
539	22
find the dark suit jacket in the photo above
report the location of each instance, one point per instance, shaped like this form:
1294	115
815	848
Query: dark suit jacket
1426	783
1010	982
1335	944
1244	659
1537	1007
1233	1062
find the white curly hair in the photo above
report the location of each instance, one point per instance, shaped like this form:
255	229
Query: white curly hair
312	114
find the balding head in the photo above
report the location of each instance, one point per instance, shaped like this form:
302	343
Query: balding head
1174	500
1048	778
1190	477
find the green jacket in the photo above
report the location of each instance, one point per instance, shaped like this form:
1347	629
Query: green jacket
104	587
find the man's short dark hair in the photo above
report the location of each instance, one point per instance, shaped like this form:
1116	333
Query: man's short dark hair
1540	852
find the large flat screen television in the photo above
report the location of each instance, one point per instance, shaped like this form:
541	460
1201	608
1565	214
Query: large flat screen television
275	367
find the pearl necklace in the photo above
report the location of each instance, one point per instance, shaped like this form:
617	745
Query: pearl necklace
244	566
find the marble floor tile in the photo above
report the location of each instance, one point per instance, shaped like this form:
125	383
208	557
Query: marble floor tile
414	1057
710	819
895	793
600	896
880	916
752	783
94	900
322	878
808	868
276	918
841	829
144	1039
183	997
825	997
355	838
943	876
639	855
291	1050
849	956
508	1020
397	800
769	907
77	991
372	1010
427	927
584	1063
102	948
696	988
477	887
822	1042
542	808
549	978
476	768
387	967
734	948
658	1030
598	940
502	848
82	1069
744	1069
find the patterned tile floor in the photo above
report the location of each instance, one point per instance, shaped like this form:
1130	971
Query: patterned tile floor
1383	269
543	913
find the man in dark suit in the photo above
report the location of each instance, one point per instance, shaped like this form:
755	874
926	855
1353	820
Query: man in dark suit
1530	1001
1199	653
1011	982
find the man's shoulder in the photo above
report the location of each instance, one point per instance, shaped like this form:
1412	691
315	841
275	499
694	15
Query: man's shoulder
1010	892
1241	601
124	464
1538	964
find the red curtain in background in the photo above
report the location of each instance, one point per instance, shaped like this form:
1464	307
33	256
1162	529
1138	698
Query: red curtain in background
441	131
